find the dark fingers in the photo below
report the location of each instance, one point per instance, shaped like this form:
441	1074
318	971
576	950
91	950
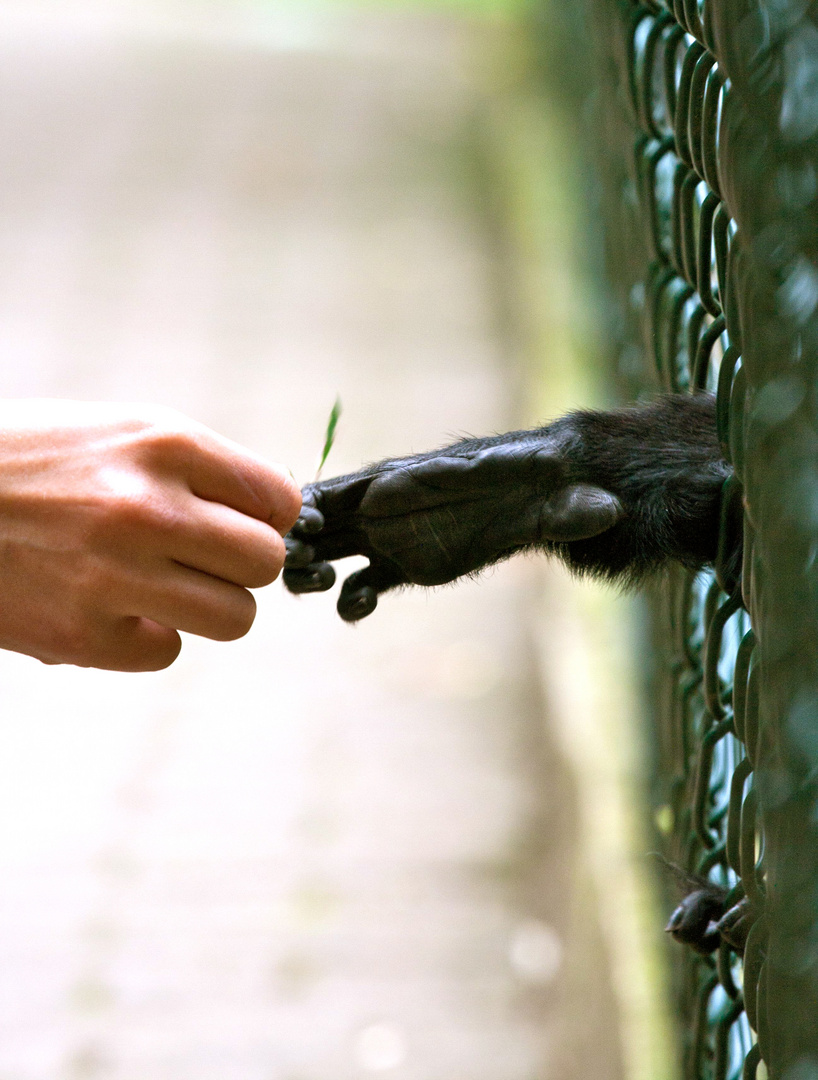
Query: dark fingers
310	520
359	593
337	498
317	577
298	554
325	546
578	512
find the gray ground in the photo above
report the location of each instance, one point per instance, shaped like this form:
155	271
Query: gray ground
318	853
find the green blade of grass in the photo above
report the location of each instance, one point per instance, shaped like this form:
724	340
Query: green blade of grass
329	438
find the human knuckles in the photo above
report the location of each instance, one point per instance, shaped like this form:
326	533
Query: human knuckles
162	441
128	505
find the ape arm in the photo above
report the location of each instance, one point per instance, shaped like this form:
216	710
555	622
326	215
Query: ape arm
616	494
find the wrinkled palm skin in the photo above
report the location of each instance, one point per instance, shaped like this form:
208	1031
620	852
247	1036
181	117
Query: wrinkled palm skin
617	494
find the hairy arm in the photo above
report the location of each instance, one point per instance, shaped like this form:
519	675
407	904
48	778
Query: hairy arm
615	494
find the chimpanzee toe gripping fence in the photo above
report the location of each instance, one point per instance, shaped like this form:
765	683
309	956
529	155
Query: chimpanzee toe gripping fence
709	151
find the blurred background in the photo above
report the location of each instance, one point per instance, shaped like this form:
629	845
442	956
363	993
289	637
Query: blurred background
319	853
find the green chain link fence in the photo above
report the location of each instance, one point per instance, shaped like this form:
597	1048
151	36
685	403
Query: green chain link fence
708	165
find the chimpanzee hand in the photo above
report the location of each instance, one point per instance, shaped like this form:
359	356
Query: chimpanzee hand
429	519
617	494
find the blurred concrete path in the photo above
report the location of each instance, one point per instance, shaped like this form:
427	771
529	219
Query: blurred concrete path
319	853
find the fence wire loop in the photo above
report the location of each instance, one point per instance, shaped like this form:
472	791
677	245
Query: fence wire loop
681	76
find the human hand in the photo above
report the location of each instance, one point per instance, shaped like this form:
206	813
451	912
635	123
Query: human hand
429	519
121	525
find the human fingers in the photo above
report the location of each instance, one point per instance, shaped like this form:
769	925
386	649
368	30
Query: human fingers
134	644
188	600
219	470
217	540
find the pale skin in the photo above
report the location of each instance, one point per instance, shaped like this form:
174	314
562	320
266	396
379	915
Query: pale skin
122	525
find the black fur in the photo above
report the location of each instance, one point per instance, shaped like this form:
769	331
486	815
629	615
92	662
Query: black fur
614	494
708	914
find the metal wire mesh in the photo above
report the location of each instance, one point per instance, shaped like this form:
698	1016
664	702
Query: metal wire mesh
676	88
675	180
707	148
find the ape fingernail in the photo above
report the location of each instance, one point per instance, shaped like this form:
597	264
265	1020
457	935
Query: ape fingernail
299	555
310	520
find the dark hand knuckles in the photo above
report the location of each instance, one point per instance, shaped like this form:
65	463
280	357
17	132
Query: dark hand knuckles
430	480
425	485
406	490
454	479
524	466
353	540
339	497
